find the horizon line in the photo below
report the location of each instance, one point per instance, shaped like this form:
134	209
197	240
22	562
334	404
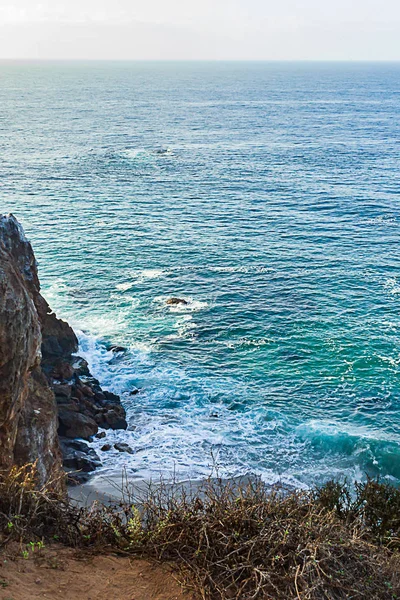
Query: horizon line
204	60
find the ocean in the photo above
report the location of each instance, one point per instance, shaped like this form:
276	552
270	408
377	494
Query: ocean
264	194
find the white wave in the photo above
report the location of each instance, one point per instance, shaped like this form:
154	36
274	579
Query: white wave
393	362
123	287
185	326
243	269
151	273
247	342
141	277
58	286
134	153
392	286
176	424
315	428
191	306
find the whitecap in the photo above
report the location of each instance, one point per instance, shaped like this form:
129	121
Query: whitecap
338	432
392	286
134	153
243	269
185	325
123	287
151	273
144	275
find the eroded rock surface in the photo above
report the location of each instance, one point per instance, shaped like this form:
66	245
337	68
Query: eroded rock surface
44	387
28	415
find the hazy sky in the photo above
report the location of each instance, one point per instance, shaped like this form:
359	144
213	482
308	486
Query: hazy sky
201	29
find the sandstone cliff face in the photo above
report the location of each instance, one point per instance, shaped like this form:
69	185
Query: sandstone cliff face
28	414
46	391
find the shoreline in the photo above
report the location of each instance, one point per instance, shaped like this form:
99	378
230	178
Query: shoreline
119	487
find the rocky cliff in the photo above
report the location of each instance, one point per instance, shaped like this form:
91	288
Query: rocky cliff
45	390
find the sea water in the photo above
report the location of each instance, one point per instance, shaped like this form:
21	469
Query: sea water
264	194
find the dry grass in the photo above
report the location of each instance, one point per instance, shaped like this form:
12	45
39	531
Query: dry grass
230	541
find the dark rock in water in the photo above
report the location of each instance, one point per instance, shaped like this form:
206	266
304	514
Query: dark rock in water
134	392
78	456
163	151
122	447
68	444
75	425
101	435
106	448
112	398
114	419
117	349
214	415
175	301
81	367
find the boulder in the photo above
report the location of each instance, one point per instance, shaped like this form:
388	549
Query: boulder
175	301
112	398
122	447
112	419
78	456
62	390
60	369
75	425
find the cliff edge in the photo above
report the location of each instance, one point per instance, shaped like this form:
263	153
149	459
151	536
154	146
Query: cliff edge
47	394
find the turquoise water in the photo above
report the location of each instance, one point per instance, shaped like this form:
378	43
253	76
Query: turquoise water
267	195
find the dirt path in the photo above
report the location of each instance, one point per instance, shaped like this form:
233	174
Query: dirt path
60	575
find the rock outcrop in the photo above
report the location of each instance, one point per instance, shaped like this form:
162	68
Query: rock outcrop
28	415
175	301
45	390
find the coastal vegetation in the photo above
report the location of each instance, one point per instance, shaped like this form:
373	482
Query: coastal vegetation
227	540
